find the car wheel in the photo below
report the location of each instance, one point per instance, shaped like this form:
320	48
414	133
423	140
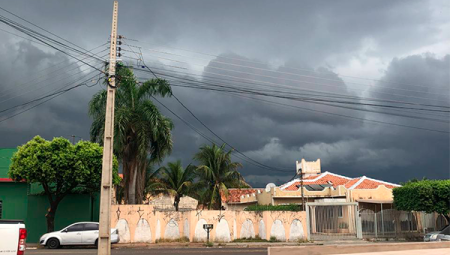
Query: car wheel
53	243
96	244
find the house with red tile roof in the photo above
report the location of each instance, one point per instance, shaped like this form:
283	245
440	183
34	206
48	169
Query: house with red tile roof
317	186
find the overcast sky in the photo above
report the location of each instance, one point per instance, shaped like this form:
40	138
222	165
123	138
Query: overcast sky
396	50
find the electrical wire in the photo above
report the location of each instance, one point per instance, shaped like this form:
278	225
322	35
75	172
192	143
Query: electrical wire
287	67
275	71
368	120
32	34
212	140
49	97
215	134
40	71
314	100
32	23
63	77
43	97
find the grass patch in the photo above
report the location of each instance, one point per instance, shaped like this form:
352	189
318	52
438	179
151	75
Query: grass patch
302	240
273	239
256	239
178	240
209	244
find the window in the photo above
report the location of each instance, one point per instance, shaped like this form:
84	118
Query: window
90	226
340	211
75	228
1	208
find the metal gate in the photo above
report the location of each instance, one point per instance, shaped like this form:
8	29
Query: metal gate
333	221
391	223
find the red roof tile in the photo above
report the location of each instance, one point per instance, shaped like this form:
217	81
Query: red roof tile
352	182
373	184
336	180
324	178
234	195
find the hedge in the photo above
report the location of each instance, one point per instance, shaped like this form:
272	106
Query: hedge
259	208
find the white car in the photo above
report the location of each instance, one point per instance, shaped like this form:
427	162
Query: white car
80	233
441	235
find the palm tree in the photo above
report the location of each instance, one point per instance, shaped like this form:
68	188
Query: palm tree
142	135
177	181
217	173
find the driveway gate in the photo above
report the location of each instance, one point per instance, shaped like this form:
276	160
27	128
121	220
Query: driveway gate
333	221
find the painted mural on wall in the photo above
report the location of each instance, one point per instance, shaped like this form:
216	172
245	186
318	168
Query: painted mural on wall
124	231
144	224
142	233
262	230
278	231
223	231
172	230
200	233
296	231
247	229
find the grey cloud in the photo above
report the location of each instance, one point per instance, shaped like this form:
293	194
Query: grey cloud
314	35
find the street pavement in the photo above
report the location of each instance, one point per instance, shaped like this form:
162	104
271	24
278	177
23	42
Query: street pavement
151	251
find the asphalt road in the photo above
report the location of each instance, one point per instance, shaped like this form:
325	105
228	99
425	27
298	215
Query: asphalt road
151	251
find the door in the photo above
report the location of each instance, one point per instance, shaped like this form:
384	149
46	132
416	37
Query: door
90	233
72	234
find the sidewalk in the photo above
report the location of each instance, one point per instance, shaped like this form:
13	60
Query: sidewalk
386	248
228	245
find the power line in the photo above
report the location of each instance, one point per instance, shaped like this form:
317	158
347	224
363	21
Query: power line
275	71
321	95
32	23
4	92
317	100
43	97
287	67
32	34
209	139
362	119
203	124
45	85
52	96
329	113
292	80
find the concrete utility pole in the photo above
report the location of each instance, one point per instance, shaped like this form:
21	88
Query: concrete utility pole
301	184
104	240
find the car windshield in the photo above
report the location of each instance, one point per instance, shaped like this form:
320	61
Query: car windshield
445	230
442	229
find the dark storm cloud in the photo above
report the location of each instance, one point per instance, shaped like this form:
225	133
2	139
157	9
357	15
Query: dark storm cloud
285	36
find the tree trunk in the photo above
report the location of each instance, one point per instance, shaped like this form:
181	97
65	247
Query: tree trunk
447	217
140	183
132	184
176	202
50	216
126	179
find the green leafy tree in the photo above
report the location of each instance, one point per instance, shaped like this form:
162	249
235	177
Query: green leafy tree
426	195
142	135
60	167
217	173
176	180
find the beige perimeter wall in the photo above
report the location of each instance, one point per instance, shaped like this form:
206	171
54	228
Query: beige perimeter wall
143	224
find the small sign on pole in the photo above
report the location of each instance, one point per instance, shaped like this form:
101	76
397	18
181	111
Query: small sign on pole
207	228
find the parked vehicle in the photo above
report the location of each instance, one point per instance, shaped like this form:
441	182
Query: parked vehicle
80	233
13	236
442	235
